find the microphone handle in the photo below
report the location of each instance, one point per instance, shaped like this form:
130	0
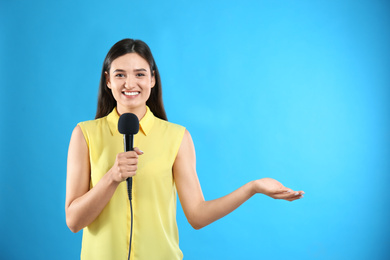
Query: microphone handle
129	146
128	142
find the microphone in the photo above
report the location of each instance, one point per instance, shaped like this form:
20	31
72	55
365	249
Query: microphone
128	125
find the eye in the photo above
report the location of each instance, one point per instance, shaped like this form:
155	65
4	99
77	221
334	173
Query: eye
119	75
140	74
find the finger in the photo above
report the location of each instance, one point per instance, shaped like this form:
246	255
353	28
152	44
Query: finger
290	191
131	161
131	154
128	173
286	196
126	176
295	198
127	162
283	190
131	168
138	151
126	155
283	196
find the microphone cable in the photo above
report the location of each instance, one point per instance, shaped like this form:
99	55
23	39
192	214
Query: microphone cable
129	188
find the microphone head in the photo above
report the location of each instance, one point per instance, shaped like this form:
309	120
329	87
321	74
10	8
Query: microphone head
128	124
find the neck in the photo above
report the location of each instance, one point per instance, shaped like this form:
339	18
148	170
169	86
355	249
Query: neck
139	112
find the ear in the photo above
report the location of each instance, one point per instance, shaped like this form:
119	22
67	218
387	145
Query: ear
108	83
153	80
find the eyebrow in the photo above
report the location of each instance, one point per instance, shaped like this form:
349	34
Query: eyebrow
136	70
119	70
141	69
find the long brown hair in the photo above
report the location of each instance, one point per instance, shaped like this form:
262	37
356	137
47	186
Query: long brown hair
106	101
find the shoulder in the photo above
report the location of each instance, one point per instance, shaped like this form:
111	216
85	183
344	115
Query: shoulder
91	125
172	127
78	141
187	142
87	128
170	133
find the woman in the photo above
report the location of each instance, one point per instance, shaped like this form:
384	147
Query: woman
96	198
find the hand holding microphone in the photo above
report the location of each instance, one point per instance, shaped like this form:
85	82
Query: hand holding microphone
125	165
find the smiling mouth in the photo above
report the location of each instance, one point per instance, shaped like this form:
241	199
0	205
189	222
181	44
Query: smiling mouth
130	93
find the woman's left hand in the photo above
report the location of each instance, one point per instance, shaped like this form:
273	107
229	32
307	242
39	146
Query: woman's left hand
276	190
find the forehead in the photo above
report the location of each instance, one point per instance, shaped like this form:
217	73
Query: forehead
130	61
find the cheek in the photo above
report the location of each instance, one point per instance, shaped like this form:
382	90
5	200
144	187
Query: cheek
116	86
114	91
148	93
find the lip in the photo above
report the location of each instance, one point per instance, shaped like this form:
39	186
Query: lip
131	94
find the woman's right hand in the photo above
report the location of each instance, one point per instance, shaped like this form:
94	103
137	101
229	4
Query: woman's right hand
125	165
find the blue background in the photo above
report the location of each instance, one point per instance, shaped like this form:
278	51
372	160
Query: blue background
293	90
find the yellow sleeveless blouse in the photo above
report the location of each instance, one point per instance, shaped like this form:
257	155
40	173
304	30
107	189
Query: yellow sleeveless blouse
155	232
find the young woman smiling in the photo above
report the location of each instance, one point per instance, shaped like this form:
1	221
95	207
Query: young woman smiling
96	195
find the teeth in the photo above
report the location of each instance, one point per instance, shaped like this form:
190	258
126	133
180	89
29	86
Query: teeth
131	93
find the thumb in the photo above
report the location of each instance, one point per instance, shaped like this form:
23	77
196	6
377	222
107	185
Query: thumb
138	151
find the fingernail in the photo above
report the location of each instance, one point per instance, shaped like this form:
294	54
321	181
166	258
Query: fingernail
296	194
141	151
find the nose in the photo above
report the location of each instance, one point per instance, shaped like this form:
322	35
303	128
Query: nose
130	83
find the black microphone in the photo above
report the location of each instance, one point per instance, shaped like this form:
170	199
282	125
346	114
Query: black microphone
128	125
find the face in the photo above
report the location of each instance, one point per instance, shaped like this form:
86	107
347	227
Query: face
130	81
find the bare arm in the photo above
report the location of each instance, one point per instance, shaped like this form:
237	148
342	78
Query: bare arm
199	212
83	205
